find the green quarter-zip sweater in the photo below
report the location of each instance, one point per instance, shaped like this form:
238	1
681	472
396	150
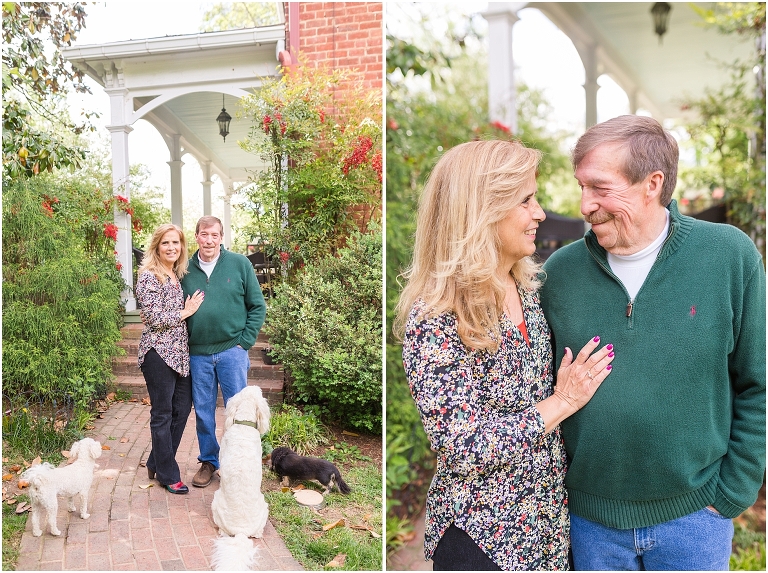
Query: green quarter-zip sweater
233	310
679	424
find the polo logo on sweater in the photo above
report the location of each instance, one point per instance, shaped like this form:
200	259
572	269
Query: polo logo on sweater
693	310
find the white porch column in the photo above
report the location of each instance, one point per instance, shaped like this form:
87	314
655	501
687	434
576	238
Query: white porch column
589	59
176	164
226	220
501	17
206	166
633	96
121	178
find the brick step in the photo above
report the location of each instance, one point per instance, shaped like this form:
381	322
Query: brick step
271	389
128	366
131	347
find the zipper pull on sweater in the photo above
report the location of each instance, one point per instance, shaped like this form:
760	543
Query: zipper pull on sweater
629	309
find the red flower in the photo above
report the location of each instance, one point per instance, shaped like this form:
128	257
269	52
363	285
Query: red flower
392	124
47	208
321	113
498	125
129	211
119	266
376	164
110	230
284	257
296	248
266	123
137	225
359	154
122	199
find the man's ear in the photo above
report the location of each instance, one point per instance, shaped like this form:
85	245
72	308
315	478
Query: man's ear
654	186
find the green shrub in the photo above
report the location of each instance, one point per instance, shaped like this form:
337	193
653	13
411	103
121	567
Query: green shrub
302	432
325	327
61	296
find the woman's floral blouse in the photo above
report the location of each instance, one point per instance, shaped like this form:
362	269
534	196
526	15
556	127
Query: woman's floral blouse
499	476
161	305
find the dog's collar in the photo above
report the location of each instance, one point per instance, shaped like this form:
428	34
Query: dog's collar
247	423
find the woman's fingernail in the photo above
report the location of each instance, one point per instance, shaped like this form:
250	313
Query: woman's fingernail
566	351
596	339
609	367
610	347
610	355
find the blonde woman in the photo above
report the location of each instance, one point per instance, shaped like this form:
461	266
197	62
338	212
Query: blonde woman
478	357
164	349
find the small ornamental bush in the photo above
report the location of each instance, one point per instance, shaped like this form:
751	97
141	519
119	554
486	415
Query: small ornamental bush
326	329
61	293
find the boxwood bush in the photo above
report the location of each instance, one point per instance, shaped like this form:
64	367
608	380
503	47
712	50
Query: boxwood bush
325	327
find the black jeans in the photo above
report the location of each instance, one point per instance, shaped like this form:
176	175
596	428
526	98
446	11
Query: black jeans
171	396
456	551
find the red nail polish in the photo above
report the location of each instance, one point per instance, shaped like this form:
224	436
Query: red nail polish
609	367
610	355
610	347
596	339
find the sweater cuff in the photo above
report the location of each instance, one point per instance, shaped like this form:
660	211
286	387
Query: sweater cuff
726	507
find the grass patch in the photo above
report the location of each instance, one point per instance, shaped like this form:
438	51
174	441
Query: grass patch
301	528
13	529
343	453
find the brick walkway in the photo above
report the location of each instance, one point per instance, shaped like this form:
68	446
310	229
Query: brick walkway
131	528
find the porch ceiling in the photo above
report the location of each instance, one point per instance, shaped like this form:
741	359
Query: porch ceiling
629	50
176	84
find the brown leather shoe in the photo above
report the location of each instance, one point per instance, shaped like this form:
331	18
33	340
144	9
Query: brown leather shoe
204	475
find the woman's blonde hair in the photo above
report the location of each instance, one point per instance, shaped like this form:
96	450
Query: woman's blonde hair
457	247
151	261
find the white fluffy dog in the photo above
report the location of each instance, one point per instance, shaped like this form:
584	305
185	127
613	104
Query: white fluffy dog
46	483
239	508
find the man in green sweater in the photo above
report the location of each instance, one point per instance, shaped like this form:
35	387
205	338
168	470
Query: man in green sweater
672	445
222	331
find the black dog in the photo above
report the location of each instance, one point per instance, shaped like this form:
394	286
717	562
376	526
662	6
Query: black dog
288	464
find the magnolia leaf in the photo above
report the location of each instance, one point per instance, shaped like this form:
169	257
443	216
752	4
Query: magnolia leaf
337	561
22	507
146	401
15	467
349	433
105	447
7	477
337	523
146	486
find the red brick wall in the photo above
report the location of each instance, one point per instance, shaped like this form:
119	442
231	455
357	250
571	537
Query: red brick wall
342	35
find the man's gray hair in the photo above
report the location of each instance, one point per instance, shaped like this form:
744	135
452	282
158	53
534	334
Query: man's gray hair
208	221
648	147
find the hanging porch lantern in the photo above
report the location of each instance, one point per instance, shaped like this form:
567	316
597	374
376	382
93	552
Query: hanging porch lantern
660	12
223	120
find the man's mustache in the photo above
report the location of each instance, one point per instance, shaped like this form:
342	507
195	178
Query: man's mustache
597	218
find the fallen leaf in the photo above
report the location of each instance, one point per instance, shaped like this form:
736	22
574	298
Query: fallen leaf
121	455
22	507
317	535
146	401
123	440
133	400
5	460
15	468
349	433
105	447
60	424
111	396
407	536
7	477
36	461
11	501
361	527
285	489
90	427
143	464
367	517
299	487
337	561
338	523
65	453
23	483
100	416
375	535
146	486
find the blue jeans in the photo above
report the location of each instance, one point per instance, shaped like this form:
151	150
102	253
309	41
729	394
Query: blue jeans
228	369
698	541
